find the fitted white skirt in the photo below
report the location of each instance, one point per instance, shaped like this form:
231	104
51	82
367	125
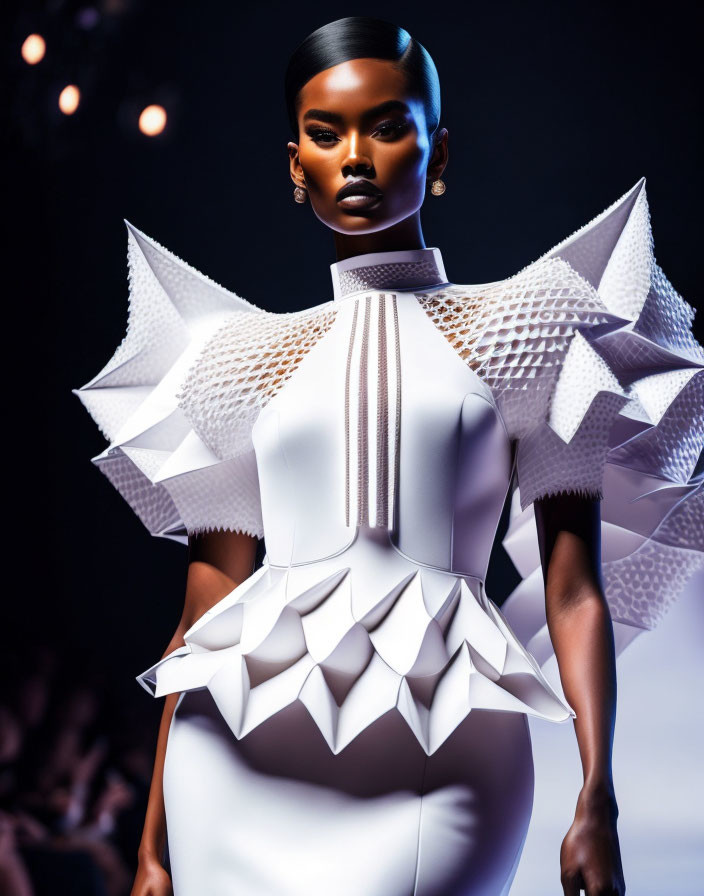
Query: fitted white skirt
277	812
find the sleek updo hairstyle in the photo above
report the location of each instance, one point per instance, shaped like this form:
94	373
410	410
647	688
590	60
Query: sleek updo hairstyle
362	37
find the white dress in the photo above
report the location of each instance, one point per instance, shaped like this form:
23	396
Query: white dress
352	717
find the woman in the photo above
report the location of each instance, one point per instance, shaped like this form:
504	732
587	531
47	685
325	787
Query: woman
351	718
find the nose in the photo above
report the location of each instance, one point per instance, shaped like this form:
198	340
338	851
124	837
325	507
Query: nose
356	161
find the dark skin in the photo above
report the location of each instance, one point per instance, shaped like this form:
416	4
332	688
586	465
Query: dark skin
358	119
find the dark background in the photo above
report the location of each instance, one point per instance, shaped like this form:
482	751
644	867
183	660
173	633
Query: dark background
554	110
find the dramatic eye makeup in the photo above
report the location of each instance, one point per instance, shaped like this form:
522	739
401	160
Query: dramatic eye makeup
386	128
320	135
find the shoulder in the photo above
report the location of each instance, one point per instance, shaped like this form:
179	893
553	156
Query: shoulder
244	363
259	347
191	293
509	328
595	281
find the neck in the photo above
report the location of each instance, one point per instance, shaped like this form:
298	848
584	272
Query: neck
406	234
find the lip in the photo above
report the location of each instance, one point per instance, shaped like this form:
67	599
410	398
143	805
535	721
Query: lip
359	202
358	193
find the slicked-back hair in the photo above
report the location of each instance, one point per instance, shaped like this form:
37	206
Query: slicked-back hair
362	37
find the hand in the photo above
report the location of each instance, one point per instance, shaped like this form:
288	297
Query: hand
590	856
151	879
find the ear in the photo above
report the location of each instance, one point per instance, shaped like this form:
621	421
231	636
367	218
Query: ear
297	175
438	156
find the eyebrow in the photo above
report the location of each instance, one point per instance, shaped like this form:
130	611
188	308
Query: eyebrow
335	118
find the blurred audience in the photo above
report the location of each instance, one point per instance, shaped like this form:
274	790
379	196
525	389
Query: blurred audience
75	765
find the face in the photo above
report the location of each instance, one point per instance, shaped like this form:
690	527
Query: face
362	133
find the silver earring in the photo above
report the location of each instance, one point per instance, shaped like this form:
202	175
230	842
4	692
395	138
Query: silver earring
300	194
437	188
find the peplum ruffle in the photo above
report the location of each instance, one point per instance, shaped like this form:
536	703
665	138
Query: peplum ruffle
352	638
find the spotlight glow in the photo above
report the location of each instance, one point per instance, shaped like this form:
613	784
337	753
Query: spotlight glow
33	49
69	98
152	121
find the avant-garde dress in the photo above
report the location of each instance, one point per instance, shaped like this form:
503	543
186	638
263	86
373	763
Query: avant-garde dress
371	441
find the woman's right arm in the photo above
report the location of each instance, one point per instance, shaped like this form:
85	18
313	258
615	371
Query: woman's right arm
217	563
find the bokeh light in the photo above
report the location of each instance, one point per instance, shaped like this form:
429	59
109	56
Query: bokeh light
33	49
152	121
69	98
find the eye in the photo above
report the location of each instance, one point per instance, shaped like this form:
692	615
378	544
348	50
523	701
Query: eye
324	136
390	128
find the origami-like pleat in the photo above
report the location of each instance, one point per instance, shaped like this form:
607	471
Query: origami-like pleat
174	481
653	499
353	643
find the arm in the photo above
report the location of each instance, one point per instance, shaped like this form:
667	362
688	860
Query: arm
580	627
217	563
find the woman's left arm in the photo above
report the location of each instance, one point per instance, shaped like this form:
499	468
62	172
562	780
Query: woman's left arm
580	627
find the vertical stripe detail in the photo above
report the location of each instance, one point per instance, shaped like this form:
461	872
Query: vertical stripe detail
397	421
372	412
362	428
348	373
382	421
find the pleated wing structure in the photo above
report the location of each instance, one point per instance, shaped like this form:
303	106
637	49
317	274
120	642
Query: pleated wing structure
652	488
155	459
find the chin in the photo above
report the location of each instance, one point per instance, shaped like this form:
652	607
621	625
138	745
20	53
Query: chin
358	223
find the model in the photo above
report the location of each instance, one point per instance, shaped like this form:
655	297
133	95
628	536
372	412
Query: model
351	718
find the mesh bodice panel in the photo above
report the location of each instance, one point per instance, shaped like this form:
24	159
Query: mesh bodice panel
242	367
515	334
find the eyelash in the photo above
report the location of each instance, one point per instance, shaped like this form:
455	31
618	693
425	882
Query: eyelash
389	127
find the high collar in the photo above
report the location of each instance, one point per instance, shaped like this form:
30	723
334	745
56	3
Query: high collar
402	269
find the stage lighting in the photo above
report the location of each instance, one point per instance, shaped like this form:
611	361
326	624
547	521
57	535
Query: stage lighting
69	98
152	121
33	49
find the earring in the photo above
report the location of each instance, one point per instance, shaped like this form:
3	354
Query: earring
437	188
300	194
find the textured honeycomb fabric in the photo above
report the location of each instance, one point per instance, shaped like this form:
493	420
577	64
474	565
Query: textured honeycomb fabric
642	586
569	347
395	275
172	480
518	335
653	498
222	496
242	367
180	395
152	503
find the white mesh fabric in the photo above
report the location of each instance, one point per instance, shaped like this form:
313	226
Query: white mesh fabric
667	319
242	367
394	275
172	309
155	336
223	496
641	587
671	448
517	335
151	502
652	545
625	282
583	376
546	465
684	526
